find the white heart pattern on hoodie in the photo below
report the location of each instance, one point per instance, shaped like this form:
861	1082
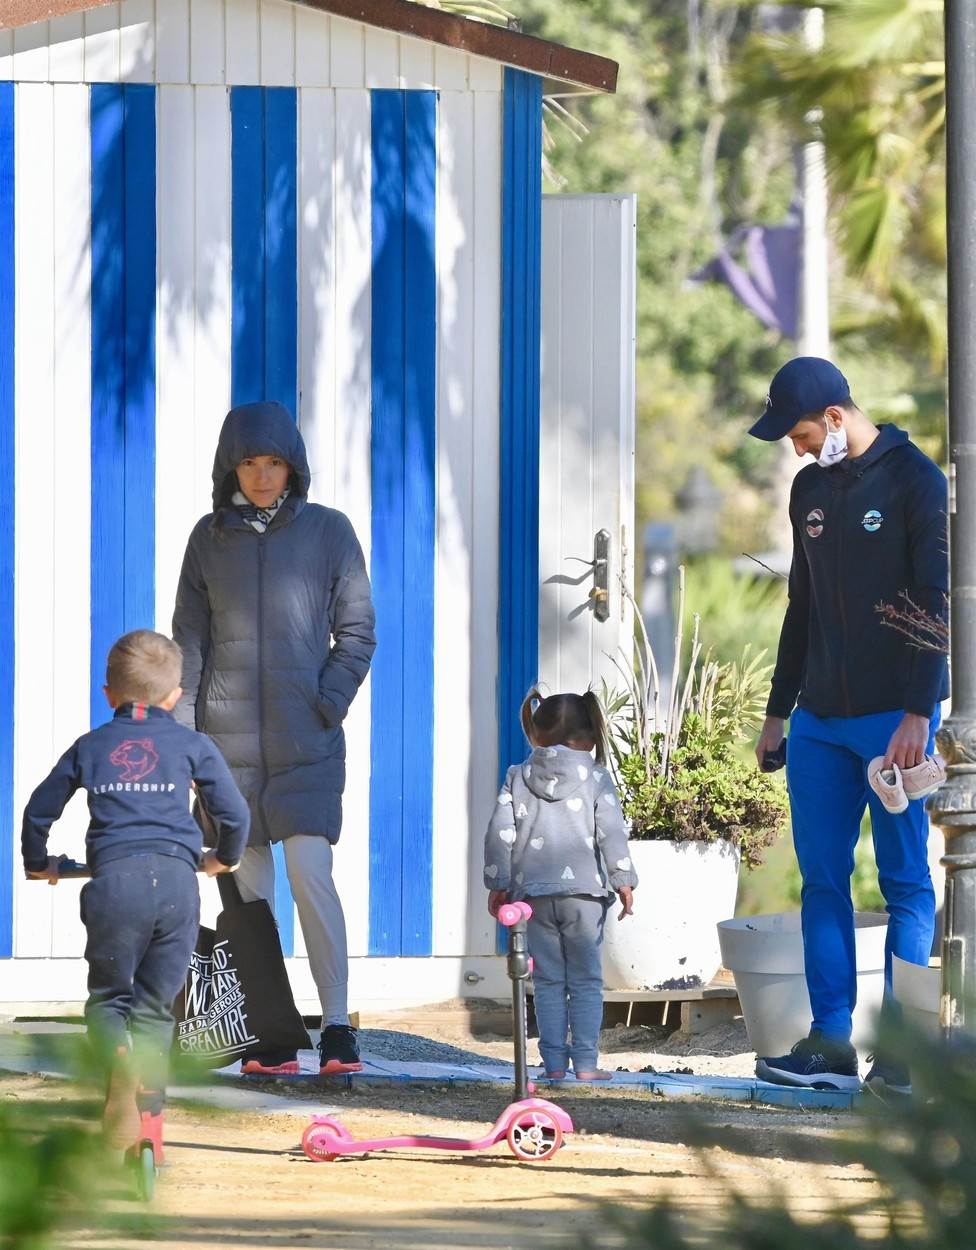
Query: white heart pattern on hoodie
574	804
507	835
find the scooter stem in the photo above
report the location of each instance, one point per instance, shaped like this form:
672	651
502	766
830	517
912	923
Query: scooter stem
518	971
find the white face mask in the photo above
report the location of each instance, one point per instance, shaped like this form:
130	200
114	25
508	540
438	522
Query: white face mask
835	447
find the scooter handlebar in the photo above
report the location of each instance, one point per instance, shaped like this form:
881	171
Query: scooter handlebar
512	913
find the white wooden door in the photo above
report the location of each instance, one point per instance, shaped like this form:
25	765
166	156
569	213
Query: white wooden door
587	437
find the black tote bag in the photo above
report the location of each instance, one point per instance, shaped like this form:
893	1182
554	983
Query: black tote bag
237	1001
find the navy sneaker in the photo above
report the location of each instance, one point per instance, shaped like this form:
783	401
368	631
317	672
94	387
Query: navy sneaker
339	1050
816	1062
888	1077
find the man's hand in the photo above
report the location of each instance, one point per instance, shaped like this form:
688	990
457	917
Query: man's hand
770	736
495	900
48	874
626	895
212	865
908	742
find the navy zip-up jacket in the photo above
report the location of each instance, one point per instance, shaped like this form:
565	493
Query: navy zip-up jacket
864	531
137	770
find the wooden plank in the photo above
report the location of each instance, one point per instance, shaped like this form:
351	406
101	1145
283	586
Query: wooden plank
6	55
212	287
34	526
382	58
352	488
487	236
68	48
178	469
71	478
416	64
102	44
138	40
694	995
348	53
243	34
31	58
484	75
312	48
450	69
550	493
173	41
207	42
455	537
281	233
277	43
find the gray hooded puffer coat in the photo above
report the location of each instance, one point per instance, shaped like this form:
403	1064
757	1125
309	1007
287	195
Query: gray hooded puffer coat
277	636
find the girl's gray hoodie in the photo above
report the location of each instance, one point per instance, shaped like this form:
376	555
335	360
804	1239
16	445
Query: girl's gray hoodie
557	828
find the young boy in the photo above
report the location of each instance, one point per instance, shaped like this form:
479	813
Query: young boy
141	907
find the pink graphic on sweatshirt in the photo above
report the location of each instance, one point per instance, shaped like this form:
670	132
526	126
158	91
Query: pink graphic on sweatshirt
137	757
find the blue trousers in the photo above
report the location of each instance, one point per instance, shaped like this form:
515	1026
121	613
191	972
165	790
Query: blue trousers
826	772
142	914
565	934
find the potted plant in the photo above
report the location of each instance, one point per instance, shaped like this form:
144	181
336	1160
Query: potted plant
695	805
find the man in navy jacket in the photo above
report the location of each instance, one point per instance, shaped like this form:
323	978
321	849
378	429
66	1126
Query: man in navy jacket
869	525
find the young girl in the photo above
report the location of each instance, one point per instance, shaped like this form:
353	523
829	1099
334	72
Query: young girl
557	839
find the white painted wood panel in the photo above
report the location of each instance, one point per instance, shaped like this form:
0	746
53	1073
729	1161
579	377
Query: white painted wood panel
207	43
176	472
450	69
486	226
312	42
212	288
382	57
347	53
31	57
34	693
277	43
353	495
173	41
71	479
137	20
454	533
416	64
68	48
586	473
102	44
242	31
6	55
484	75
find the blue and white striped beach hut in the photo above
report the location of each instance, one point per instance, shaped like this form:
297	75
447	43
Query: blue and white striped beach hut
336	204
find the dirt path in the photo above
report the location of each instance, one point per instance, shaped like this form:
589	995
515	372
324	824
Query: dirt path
243	1181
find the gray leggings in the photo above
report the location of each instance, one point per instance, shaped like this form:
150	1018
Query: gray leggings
565	935
308	859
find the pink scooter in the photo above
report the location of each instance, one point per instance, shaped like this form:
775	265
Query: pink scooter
533	1128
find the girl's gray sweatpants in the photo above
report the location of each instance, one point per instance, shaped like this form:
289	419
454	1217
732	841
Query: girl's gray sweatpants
308	859
565	935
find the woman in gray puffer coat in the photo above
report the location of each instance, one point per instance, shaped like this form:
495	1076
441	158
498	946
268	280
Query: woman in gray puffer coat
274	617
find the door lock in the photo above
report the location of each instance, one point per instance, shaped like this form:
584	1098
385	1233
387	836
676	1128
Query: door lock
600	591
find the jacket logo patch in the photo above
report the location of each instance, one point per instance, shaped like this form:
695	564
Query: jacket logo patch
136	757
815	520
872	521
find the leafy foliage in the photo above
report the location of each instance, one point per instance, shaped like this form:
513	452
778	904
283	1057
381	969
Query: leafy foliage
677	768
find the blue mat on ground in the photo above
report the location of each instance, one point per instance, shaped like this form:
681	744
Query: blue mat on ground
380	1070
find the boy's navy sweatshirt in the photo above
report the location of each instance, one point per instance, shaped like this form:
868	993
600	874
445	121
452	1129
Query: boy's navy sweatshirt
137	770
865	532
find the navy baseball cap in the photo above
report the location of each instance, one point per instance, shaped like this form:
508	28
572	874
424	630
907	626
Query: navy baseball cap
803	385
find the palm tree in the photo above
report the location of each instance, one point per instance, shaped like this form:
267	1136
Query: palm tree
875	93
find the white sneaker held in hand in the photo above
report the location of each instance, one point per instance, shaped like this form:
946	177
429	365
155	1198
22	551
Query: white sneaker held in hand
924	779
887	785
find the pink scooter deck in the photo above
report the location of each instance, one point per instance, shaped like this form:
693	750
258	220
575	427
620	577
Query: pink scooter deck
533	1128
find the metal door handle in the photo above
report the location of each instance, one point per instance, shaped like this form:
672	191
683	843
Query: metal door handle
600	592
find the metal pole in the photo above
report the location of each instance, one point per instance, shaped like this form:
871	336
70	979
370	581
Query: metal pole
518	970
953	807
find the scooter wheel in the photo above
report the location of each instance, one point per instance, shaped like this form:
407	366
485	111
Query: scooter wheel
316	1141
533	1136
146	1172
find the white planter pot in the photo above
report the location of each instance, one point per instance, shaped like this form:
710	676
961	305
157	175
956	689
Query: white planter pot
765	955
670	942
919	991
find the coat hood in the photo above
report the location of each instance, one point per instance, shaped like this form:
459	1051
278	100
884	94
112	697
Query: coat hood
262	429
889	437
556	773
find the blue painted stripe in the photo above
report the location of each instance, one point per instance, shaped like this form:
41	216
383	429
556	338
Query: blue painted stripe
123	414
264	292
521	303
403	511
7	486
518	556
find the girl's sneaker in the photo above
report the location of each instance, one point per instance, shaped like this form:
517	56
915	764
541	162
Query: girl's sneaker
887	785
924	779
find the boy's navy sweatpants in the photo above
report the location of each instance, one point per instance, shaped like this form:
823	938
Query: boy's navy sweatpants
826	772
142	914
